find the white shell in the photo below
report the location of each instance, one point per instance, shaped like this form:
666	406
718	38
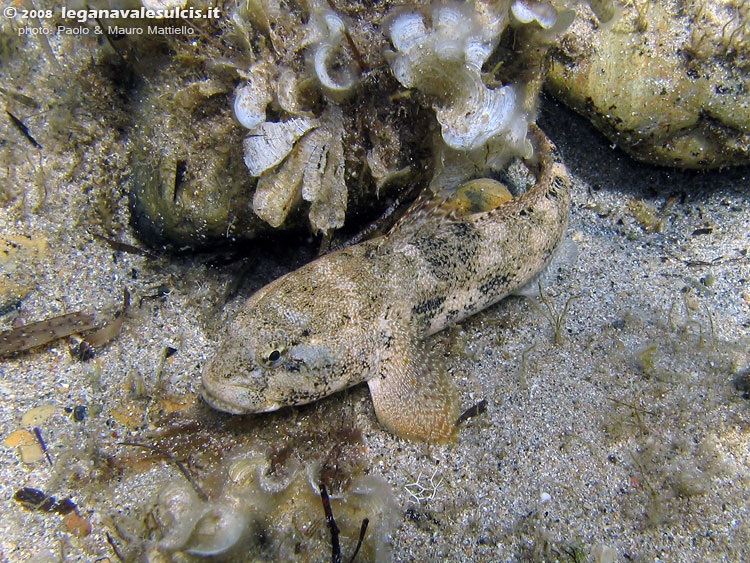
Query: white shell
407	30
277	191
453	23
323	183
250	105
315	167
527	11
243	472
314	170
469	113
270	142
330	28
178	509
218	529
335	26
339	87
481	115
445	62
288	94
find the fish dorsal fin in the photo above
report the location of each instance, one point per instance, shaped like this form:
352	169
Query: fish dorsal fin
429	213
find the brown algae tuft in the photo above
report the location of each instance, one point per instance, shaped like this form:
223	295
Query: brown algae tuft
647	216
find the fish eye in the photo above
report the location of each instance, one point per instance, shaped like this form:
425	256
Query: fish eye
273	356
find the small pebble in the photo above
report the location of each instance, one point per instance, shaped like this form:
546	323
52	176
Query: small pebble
19	437
30	453
37	415
79	413
79	527
603	554
28	446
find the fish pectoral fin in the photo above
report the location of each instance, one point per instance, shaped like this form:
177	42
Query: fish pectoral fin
414	396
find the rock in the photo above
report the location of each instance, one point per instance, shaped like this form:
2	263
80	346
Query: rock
189	186
666	81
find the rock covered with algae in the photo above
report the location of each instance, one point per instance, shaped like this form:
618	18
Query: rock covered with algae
325	114
666	81
268	132
188	186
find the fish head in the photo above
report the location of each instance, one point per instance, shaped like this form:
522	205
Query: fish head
290	344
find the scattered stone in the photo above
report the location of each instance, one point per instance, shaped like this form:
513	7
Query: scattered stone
665	81
37	415
76	525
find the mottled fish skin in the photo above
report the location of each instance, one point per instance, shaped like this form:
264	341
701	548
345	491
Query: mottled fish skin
363	313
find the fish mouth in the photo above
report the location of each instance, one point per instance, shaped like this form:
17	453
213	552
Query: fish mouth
215	401
220	404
